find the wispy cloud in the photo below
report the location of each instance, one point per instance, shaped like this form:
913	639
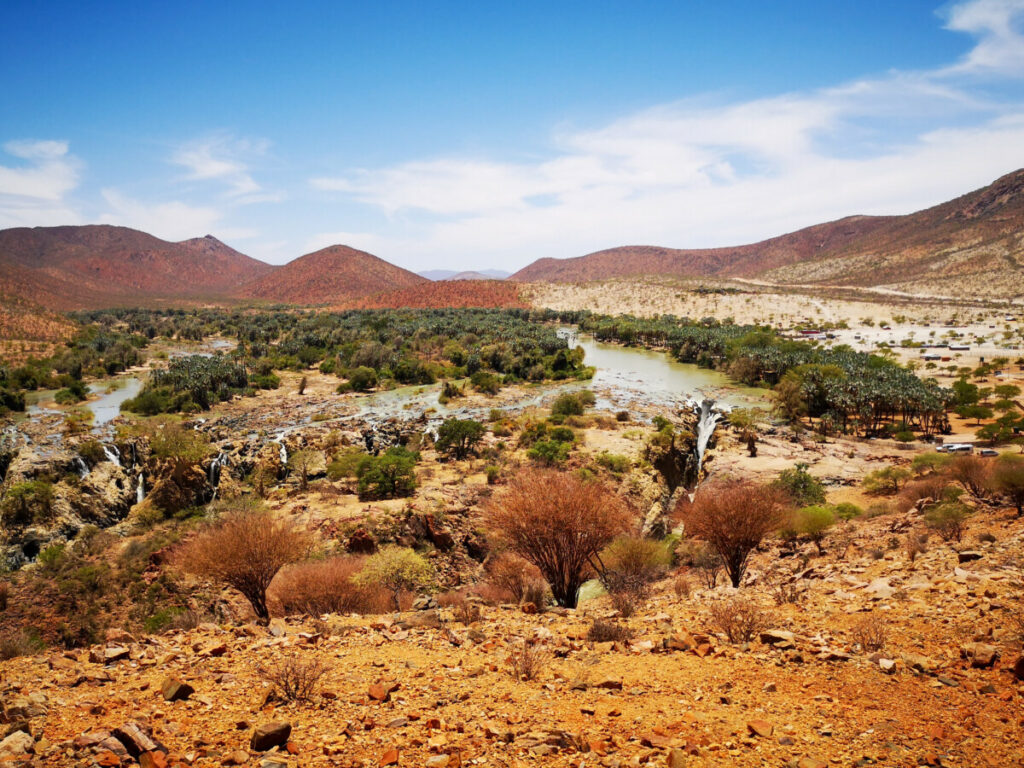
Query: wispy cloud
226	159
703	172
172	220
33	191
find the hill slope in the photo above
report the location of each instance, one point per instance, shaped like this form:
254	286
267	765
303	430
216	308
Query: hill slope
100	265
976	238
333	274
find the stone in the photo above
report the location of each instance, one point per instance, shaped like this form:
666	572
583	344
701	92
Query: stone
238	757
156	759
379	692
610	683
438	761
968	555
109	654
175	690
18	743
390	757
676	758
761	728
1018	668
810	762
880	589
269	735
136	738
772	636
981	655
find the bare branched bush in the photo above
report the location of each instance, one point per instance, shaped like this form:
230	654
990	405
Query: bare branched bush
705	561
537	595
784	588
463	610
244	549
973	473
527	660
602	631
558	522
733	517
294	678
930	488
681	586
741	620
327	586
512	574
915	544
870	634
627	567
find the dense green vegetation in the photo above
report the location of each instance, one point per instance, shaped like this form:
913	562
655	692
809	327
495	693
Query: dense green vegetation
844	390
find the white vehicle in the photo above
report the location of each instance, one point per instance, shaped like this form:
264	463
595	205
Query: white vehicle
956	448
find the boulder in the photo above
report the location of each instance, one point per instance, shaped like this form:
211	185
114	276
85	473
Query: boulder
17	744
981	655
175	690
136	738
270	735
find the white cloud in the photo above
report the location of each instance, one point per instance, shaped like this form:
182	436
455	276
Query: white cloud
997	25
172	220
698	174
49	174
223	158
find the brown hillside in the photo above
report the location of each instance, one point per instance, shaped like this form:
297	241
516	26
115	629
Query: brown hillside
977	234
479	293
334	274
99	265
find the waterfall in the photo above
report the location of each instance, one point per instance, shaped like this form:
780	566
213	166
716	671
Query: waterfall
140	490
213	476
81	467
707	418
283	452
112	454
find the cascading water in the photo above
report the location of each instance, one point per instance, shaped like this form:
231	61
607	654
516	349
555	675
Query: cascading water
112	454
80	466
707	419
283	451
213	477
140	489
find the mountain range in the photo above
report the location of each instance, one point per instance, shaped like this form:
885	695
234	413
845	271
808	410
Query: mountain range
973	243
977	238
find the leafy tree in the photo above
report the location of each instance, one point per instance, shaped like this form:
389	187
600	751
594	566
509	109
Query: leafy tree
390	475
397	569
363	379
813	523
948	519
1008	479
803	488
886	479
26	502
976	412
458	437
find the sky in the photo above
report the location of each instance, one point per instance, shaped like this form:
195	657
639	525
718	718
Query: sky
473	135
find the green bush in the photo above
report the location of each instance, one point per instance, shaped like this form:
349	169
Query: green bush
614	462
549	452
363	379
27	503
390	475
458	437
802	488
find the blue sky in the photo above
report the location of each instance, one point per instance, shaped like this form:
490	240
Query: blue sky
474	135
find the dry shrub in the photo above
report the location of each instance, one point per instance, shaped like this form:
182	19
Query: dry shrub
244	549
915	544
627	567
741	620
558	522
930	488
19	643
526	660
294	678
327	586
464	610
681	586
973	473
733	517
512	575
870	634
537	594
784	588
602	631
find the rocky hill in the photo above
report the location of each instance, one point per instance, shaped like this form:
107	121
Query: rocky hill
331	275
97	265
975	241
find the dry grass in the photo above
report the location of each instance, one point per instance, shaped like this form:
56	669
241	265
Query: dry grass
602	631
527	660
870	634
740	619
294	678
